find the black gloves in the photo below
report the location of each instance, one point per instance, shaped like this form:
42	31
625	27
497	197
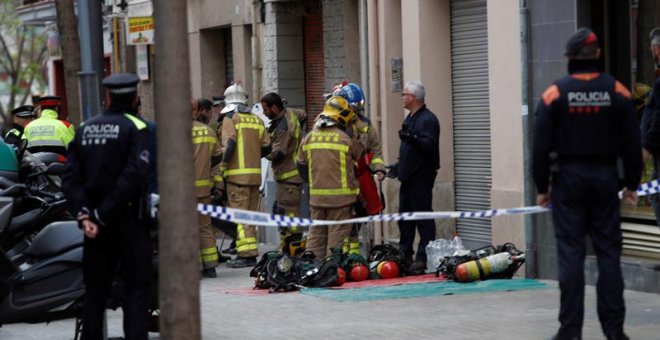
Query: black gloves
407	136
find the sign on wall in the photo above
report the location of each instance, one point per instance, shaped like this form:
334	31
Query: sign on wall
142	61
139	30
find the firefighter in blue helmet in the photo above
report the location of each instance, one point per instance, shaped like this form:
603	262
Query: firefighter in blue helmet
585	123
105	181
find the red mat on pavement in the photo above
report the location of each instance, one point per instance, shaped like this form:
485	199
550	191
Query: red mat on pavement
349	285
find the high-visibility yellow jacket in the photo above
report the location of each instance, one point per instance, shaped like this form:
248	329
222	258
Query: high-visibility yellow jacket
285	133
247	132
330	155
47	133
205	146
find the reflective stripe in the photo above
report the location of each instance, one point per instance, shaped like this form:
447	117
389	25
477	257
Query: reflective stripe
218	178
139	124
377	161
286	175
342	169
243	243
296	137
243	171
255	126
332	192
202	140
210	256
40	141
326	146
203	183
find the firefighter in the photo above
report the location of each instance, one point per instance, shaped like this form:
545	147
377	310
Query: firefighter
585	123
22	116
365	132
205	145
48	133
105	187
244	142
285	132
326	159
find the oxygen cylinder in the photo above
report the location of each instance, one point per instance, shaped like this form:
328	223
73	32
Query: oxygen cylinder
483	268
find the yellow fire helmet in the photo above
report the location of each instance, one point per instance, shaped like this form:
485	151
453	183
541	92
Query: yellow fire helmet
338	109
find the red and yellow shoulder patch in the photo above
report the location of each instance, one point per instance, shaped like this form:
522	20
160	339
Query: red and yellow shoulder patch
550	95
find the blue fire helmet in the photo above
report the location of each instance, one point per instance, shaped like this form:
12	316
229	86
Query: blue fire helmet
353	94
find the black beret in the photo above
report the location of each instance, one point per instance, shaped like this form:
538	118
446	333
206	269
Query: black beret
24	111
580	39
121	83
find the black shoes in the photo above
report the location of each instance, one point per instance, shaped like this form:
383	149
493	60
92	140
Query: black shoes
242	262
209	273
223	258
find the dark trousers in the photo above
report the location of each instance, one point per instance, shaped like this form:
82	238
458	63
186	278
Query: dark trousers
585	202
126	242
416	194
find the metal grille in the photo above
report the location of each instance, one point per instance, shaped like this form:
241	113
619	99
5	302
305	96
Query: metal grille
472	154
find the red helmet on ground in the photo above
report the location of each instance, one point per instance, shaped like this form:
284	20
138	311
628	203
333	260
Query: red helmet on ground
358	273
387	270
341	276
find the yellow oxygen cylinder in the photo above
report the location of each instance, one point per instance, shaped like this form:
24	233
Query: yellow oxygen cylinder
482	268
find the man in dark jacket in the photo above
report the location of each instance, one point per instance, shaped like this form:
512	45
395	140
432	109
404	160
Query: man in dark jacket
585	123
22	116
419	161
105	180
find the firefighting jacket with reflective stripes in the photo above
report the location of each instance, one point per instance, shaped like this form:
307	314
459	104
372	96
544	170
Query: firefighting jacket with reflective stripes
329	154
205	145
368	136
285	133
48	133
247	132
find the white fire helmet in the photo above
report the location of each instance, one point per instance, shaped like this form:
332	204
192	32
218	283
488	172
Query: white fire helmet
235	97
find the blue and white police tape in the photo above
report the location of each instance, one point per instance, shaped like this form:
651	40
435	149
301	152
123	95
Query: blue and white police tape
271	220
650	188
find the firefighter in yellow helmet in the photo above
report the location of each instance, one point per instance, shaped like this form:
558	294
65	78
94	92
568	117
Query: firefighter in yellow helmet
367	134
285	131
244	142
205	146
326	159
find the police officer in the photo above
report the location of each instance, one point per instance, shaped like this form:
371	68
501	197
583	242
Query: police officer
584	123
105	184
244	142
285	132
326	159
205	146
22	116
419	161
48	133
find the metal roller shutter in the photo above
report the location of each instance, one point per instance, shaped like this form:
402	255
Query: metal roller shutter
472	154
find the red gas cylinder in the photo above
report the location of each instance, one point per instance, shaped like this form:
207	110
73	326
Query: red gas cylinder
341	277
358	273
387	270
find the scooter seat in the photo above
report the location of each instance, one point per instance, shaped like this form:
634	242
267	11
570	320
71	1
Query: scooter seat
54	239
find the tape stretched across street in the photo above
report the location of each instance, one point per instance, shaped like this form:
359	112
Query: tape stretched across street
272	220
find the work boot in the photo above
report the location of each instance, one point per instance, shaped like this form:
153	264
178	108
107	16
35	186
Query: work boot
242	262
209	273
223	258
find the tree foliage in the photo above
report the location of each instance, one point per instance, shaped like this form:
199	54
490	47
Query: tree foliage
22	55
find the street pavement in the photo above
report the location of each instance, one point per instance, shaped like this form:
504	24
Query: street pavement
530	314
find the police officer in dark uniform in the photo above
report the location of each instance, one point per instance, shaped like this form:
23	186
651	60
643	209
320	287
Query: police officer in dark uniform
585	126
22	116
104	182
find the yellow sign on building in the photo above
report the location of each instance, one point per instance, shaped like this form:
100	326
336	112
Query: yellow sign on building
140	30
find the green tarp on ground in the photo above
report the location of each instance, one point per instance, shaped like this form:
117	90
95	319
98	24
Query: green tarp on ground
422	289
